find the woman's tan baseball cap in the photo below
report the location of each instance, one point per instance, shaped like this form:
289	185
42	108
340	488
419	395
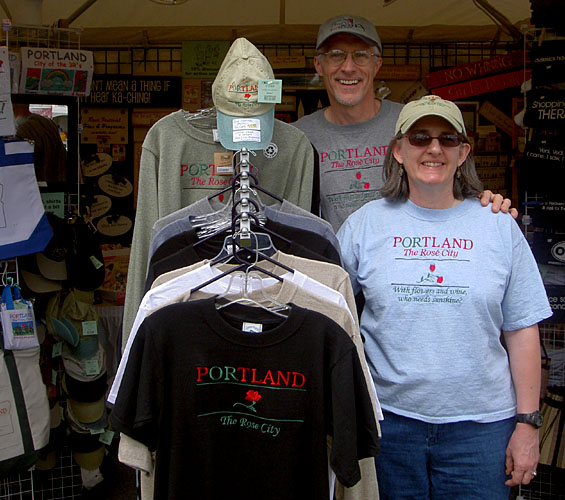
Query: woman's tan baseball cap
429	105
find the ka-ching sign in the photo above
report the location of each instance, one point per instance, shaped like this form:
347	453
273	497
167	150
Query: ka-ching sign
55	71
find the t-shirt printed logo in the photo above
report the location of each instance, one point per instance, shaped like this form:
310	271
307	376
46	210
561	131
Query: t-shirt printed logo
430	277
354	157
431	260
358	183
349	176
252	397
251	408
205	176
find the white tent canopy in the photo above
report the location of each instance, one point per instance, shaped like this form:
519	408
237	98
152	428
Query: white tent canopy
132	22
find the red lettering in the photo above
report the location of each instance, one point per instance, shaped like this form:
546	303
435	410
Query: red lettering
183	168
281	376
253	381
269	377
201	370
298	376
243	370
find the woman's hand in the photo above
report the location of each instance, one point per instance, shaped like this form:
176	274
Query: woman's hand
522	454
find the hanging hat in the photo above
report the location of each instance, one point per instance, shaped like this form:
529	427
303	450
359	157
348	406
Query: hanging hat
87	413
88	450
51	261
80	348
243	121
79	426
32	278
85	263
85	392
82	369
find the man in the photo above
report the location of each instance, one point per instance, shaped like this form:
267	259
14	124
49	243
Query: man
353	132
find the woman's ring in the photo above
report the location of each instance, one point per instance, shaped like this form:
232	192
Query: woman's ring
534	473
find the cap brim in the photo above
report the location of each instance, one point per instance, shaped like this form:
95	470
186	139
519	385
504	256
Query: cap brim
87	413
51	269
38	284
407	125
226	133
368	41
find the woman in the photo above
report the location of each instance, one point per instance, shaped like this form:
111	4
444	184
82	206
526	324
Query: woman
442	276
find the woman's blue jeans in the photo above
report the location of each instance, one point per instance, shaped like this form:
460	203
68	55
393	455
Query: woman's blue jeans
459	461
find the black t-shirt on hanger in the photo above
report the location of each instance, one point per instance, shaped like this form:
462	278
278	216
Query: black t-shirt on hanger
239	415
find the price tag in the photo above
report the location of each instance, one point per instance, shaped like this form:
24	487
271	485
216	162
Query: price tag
97	264
92	367
57	350
54	377
96	431
223	163
270	91
107	437
89	328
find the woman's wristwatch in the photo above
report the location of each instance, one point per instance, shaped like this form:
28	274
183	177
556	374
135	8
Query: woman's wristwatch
535	418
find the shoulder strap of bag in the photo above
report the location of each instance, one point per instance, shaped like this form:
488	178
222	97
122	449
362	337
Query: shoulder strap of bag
17	390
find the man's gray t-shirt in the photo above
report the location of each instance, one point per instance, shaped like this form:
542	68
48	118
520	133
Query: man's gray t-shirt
351	159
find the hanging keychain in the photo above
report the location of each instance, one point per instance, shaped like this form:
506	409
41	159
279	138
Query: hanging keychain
18	321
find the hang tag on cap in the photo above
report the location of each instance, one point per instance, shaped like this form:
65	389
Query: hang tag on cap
270	91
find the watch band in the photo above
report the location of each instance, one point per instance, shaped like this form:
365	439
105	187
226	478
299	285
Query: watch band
534	418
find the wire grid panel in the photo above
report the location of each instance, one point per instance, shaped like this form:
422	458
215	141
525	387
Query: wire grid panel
15	36
62	482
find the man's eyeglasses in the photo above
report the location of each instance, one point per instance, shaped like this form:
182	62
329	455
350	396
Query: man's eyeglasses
338	56
422	140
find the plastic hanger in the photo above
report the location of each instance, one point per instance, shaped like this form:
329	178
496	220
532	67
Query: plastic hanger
251	273
245	299
201	113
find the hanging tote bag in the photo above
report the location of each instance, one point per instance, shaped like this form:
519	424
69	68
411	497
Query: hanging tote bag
24	410
24	227
18	321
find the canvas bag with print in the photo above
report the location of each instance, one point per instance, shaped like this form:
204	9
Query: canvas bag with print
24	410
18	321
24	227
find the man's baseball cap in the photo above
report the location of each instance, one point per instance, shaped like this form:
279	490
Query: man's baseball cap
354	25
429	105
241	120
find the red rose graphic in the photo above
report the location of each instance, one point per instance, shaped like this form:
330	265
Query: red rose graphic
221	197
432	268
440	279
358	175
367	185
247	96
253	396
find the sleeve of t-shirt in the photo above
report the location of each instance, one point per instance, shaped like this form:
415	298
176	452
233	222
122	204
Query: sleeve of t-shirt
345	236
136	411
354	429
525	300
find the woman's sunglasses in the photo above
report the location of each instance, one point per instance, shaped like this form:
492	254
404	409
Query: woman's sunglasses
421	140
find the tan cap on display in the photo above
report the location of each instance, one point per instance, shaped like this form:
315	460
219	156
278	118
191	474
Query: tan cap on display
235	92
429	105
